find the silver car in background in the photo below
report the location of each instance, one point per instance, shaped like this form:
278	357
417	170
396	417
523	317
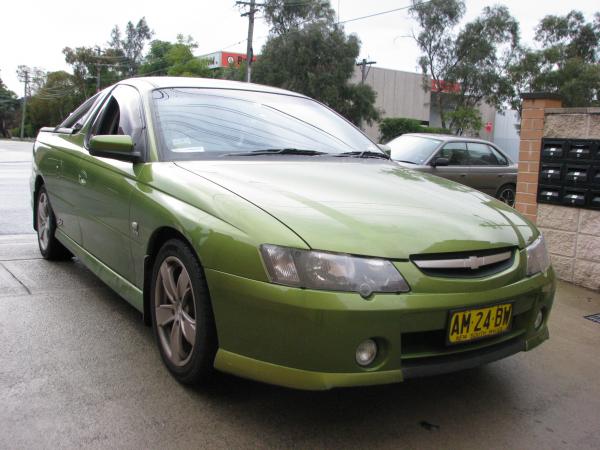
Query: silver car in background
473	162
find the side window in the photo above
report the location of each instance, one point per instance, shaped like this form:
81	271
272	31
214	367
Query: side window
502	160
122	114
78	117
456	152
481	155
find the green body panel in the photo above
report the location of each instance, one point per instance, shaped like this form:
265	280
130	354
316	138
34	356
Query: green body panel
109	212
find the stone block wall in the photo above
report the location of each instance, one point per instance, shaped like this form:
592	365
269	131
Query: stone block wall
572	234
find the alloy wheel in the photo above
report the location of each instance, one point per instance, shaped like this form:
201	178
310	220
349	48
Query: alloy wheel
175	311
43	221
507	195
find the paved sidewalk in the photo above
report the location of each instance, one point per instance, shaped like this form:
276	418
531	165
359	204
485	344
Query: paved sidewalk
79	369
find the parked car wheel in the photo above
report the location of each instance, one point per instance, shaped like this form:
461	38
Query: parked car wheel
507	194
45	222
182	315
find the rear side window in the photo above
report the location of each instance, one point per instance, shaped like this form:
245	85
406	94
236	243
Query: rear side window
502	160
456	152
78	117
481	155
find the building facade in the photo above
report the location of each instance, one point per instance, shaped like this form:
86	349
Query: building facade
401	94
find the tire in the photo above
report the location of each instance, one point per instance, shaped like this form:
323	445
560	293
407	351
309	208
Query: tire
507	194
45	223
180	304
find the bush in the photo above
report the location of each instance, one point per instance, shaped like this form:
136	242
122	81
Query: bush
393	127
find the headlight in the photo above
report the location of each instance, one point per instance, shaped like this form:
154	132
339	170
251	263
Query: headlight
537	257
331	271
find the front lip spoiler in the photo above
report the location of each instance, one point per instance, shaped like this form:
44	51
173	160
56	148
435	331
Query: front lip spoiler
437	365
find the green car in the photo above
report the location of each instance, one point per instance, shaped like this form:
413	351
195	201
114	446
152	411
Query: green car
263	235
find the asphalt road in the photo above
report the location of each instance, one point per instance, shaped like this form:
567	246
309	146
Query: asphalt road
15	167
79	369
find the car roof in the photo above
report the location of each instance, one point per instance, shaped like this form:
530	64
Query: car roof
448	137
151	83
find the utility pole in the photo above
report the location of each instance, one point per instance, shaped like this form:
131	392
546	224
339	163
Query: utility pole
249	52
364	70
23	75
98	71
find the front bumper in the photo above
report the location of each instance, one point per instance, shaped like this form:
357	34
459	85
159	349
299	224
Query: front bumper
307	339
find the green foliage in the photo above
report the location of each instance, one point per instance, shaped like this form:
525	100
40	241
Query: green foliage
52	101
309	39
467	66
174	59
287	15
465	119
132	46
566	62
9	105
392	127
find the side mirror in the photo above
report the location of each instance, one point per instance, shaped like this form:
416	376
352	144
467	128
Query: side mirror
117	146
440	162
385	149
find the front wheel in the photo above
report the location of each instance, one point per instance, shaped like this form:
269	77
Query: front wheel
506	194
182	316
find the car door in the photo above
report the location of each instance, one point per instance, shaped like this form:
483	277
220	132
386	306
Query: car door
458	162
487	174
107	184
60	169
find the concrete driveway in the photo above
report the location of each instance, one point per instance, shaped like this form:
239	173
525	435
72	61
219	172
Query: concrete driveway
79	369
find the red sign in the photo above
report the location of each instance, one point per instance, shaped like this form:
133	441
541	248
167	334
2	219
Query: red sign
489	126
228	58
443	86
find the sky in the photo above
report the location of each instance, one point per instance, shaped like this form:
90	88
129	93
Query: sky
34	33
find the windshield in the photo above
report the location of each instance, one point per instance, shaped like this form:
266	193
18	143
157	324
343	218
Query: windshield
412	149
195	123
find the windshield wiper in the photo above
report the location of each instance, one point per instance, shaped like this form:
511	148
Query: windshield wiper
363	154
404	161
278	151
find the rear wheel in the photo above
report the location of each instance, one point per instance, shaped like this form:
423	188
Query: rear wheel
506	194
182	316
45	222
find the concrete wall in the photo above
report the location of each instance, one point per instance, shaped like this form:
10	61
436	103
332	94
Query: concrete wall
506	135
572	234
399	94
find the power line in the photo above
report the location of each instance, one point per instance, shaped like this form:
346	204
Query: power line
380	13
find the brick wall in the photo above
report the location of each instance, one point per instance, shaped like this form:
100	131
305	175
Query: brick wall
572	235
532	131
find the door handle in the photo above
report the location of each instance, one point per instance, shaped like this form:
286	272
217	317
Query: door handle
82	177
462	175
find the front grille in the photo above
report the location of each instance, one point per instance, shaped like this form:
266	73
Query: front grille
476	264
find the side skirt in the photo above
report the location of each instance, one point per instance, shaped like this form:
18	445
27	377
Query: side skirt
116	282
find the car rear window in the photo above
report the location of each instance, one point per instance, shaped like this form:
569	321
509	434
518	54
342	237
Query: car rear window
412	149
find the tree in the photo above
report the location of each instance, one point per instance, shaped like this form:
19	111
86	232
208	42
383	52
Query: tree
466	67
566	61
53	100
174	59
287	15
132	46
9	104
308	52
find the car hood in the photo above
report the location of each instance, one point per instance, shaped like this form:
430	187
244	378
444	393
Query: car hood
370	207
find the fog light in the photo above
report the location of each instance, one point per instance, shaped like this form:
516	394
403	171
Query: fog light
539	318
366	352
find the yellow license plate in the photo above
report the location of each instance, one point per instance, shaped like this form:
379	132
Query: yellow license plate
472	324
